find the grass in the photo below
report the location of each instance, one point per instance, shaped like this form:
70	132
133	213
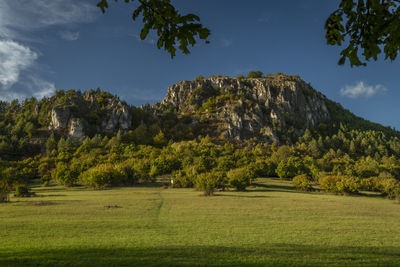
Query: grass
270	224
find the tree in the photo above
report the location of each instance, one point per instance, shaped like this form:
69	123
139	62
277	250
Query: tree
171	27
254	74
367	24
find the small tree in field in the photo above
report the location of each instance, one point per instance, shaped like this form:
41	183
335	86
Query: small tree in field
207	182
303	182
4	191
239	178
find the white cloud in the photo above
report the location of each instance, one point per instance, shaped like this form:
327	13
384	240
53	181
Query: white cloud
14	58
69	36
21	23
361	89
41	88
25	15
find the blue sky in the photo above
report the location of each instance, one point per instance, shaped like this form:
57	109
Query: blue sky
56	44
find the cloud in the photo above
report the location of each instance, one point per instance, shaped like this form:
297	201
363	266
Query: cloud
14	58
21	26
69	36
26	16
361	89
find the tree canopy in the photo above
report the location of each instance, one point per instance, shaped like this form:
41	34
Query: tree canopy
366	26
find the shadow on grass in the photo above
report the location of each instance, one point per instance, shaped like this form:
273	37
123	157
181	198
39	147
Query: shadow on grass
241	195
271	255
273	188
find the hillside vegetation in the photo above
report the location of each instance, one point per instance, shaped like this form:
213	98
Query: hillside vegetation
210	133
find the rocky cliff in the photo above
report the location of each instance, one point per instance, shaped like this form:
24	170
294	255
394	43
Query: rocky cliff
77	115
274	108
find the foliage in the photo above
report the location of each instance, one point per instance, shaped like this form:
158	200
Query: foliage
370	25
171	27
254	74
291	167
303	182
207	182
22	191
4	191
340	184
102	176
239	178
181	179
65	175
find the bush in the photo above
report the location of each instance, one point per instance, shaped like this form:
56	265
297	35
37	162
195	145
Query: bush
239	178
348	185
182	180
389	187
207	182
340	184
129	175
329	183
65	175
264	168
255	74
22	191
291	167
102	176
4	192
303	182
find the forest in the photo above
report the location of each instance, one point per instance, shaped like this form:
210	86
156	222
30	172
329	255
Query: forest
345	155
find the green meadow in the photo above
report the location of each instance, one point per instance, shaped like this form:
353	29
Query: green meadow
269	224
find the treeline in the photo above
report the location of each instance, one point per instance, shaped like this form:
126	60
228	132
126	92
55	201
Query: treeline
344	155
101	162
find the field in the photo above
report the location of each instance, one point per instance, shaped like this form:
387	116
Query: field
270	224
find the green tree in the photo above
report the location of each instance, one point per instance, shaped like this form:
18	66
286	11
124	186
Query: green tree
51	144
254	74
171	27
370	25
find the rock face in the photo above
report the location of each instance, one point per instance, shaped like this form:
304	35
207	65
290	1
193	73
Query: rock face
276	108
105	114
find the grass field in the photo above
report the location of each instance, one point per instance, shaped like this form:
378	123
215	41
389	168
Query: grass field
270	224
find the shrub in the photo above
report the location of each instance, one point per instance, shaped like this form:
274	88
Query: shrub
129	175
255	74
65	175
4	192
348	185
263	168
22	191
303	182
239	178
199	78
291	167
102	176
182	180
389	187
340	184
207	182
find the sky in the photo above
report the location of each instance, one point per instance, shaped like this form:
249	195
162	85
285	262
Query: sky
46	45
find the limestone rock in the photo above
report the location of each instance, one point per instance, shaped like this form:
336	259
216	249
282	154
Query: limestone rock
276	108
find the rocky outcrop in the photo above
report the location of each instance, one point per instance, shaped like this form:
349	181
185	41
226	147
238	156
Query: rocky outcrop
276	108
106	115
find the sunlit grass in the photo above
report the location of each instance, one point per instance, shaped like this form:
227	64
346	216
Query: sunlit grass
270	224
